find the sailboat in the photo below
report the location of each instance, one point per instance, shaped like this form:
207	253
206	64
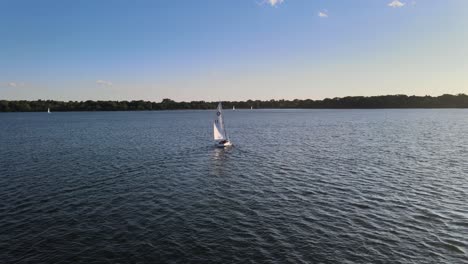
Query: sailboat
48	110
233	108
251	108
220	135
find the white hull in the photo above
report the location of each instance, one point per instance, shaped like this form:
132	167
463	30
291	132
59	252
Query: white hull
223	145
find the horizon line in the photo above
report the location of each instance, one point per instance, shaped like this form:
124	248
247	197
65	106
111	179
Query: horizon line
245	100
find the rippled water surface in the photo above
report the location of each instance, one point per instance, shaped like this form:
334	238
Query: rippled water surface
300	186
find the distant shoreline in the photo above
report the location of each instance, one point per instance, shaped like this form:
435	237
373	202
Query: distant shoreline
350	102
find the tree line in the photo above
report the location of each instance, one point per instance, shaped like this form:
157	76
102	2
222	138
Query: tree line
349	102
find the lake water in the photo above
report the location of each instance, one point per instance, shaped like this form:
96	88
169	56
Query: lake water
300	186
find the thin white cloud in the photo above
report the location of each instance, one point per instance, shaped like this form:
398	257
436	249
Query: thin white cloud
323	14
396	4
12	84
103	83
274	2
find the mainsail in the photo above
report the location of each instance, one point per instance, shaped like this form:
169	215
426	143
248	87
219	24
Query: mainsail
218	126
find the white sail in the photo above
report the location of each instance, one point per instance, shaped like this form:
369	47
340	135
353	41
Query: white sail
48	110
218	132
218	126
233	108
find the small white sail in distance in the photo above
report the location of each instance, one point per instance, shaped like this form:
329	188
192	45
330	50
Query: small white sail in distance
218	125
48	110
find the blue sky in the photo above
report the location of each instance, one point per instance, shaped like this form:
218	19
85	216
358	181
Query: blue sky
231	50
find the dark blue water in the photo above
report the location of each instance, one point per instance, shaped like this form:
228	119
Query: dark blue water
300	186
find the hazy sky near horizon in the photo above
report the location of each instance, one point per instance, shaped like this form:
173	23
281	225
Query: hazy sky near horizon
231	50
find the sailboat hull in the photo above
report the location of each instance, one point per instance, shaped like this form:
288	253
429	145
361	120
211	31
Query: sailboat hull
223	145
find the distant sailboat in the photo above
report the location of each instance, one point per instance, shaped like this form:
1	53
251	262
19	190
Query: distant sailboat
48	110
233	108
251	108
220	135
